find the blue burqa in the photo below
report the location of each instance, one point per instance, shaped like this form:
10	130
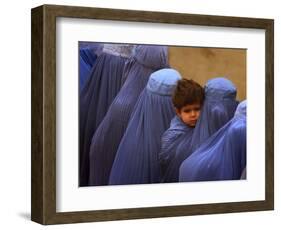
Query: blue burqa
84	72
222	156
105	142
170	140
136	161
218	108
97	95
88	54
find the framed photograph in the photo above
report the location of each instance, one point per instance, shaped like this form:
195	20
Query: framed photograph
139	114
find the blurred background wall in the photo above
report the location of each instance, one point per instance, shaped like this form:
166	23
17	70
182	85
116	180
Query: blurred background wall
201	64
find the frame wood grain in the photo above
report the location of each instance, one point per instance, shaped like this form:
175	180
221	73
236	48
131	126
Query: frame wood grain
43	186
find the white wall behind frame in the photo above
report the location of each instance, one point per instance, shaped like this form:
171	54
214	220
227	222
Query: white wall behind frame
15	118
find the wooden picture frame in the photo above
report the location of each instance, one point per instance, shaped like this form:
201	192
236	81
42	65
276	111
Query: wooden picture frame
43	208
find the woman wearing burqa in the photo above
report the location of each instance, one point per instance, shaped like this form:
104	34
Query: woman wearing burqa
218	108
222	156
105	142
97	95
136	161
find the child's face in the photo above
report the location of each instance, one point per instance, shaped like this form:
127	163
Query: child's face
189	114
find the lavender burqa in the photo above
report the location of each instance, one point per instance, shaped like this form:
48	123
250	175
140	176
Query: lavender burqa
136	161
222	156
105	142
104	83
88	53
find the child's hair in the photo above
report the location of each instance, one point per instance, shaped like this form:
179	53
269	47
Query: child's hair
187	92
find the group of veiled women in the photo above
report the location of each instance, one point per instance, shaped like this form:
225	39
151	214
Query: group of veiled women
131	131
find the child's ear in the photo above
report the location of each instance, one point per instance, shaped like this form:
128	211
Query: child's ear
177	111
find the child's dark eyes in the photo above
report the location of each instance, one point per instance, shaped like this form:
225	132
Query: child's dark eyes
194	109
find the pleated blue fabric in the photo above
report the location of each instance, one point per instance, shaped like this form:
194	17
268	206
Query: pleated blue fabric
136	161
88	54
218	108
84	72
97	95
170	140
222	156
105	142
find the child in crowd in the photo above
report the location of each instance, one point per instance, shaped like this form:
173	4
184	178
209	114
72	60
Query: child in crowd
218	108
187	99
